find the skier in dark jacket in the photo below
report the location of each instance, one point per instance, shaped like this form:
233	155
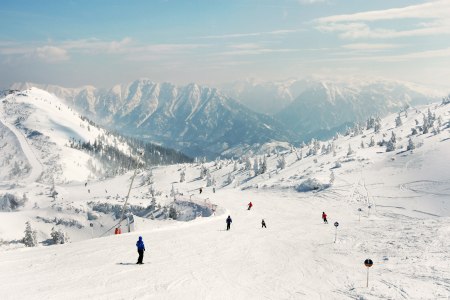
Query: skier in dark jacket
263	224
324	217
140	248
228	222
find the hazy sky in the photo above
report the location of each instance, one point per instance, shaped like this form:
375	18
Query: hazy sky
73	43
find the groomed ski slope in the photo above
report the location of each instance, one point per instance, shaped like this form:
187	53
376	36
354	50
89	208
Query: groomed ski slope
294	258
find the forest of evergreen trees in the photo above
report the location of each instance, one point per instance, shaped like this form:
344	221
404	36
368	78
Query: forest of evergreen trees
115	161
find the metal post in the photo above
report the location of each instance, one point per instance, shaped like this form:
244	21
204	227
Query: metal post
367	285
128	195
335	235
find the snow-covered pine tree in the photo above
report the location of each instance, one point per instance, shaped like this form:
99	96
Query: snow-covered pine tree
263	165
281	163
372	142
59	236
256	166
299	154
446	100
411	145
172	192
350	150
377	125
230	178
182	176
398	121
370	123
173	213
210	181
203	171
30	238
316	146
248	164
391	144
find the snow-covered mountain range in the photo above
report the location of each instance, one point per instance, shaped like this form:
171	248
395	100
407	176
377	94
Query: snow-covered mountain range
204	121
386	183
199	121
317	107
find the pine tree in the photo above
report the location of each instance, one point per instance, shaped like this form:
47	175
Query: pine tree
377	125
411	145
350	150
372	142
256	166
173	213
59	237
182	176
263	166
391	144
248	164
30	239
398	121
281	163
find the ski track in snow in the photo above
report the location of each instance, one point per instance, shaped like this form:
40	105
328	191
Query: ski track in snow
36	166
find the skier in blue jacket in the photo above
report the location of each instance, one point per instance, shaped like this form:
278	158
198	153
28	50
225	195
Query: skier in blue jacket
228	222
140	248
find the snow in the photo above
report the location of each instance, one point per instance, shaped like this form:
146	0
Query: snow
405	231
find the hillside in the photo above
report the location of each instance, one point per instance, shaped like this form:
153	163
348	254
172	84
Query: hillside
403	224
196	120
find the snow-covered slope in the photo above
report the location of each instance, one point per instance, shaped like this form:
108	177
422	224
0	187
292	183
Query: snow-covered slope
43	126
403	225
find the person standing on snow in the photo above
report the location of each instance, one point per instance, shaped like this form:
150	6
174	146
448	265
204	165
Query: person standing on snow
263	224
140	248
324	218
250	205
228	222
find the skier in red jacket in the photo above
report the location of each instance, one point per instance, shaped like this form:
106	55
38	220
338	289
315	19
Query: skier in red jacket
250	205
324	218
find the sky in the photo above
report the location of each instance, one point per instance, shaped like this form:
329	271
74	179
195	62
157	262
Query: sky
102	43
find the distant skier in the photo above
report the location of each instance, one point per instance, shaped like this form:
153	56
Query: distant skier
118	230
250	205
228	222
214	189
263	224
140	248
85	184
200	190
324	218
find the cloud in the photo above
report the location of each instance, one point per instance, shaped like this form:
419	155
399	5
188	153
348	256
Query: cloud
256	51
239	35
367	24
60	51
51	54
310	1
370	47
